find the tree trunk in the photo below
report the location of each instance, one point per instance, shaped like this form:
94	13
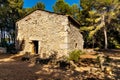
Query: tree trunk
105	36
1	35
9	38
93	42
105	30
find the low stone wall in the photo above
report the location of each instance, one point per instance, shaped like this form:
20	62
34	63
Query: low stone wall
3	50
89	50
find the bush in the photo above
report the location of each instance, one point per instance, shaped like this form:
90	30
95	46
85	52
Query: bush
75	55
11	48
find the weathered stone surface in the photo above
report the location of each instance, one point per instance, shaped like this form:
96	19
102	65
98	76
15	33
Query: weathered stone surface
2	50
75	38
64	46
52	31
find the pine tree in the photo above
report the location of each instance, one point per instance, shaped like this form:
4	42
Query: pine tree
62	7
11	10
39	5
98	17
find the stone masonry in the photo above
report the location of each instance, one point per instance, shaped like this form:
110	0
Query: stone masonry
53	32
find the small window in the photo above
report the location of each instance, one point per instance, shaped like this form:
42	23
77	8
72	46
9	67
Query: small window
28	19
75	45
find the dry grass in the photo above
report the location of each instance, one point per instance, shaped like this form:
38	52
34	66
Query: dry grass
12	68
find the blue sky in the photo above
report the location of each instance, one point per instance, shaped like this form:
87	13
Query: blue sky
48	3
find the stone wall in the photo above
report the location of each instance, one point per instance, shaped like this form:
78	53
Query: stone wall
75	38
50	30
3	50
45	27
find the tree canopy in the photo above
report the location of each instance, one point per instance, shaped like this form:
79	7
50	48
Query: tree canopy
99	19
11	11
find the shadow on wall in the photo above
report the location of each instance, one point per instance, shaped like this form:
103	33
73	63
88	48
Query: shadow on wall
19	44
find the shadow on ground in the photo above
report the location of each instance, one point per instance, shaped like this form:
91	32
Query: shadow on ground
12	68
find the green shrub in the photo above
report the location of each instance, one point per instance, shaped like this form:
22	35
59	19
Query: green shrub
75	55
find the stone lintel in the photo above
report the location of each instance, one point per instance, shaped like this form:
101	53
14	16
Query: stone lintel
35	38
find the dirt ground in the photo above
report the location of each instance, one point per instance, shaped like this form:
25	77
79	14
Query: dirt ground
12	68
